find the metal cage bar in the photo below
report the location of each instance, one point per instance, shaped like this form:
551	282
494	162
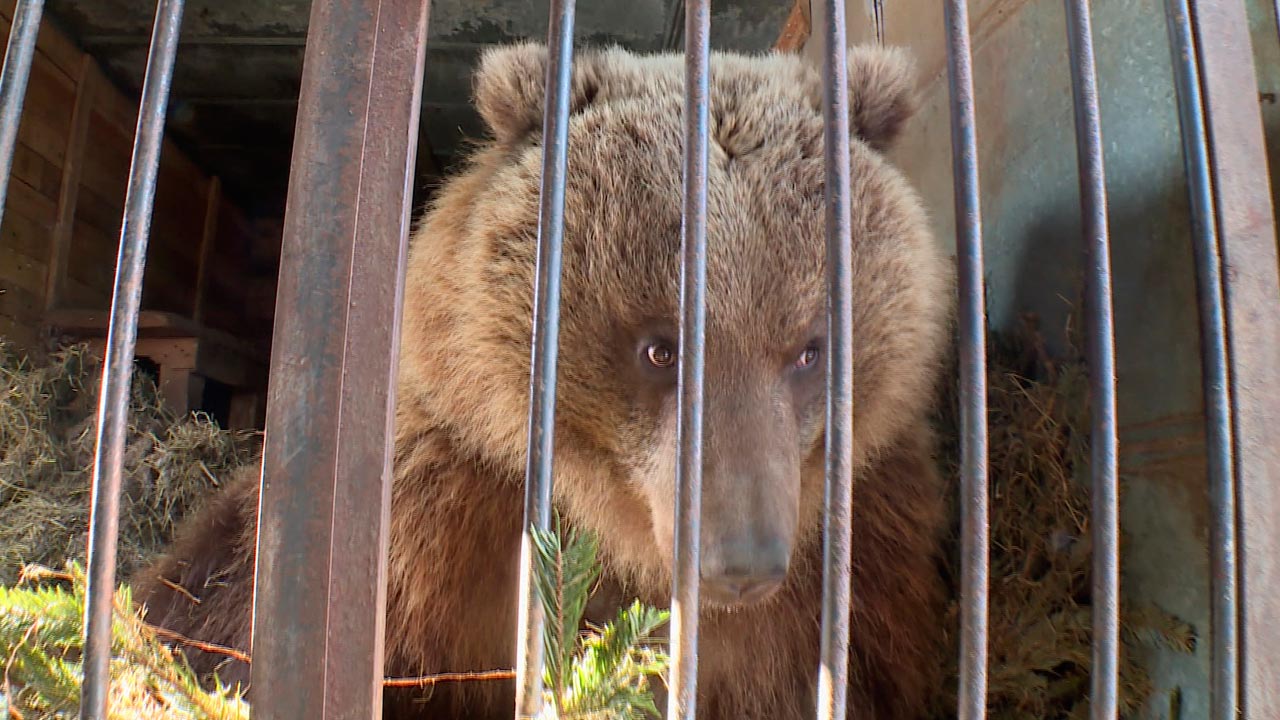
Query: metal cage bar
1245	223
1213	349
1105	516
975	530
682	700
837	553
18	56
545	351
117	375
324	506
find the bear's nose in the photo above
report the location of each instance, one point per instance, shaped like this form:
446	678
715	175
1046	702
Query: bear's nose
744	571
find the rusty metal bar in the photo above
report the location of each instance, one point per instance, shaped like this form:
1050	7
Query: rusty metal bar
1213	349
18	56
325	503
1105	515
837	553
682	698
1245	224
546	336
975	528
117	375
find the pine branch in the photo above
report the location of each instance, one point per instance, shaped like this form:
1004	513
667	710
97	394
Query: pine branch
40	634
566	570
604	673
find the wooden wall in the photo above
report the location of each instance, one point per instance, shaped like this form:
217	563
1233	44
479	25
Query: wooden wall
60	232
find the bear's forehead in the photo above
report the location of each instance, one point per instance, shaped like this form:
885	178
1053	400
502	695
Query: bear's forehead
765	241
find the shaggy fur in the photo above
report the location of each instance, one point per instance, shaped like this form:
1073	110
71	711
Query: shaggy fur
463	389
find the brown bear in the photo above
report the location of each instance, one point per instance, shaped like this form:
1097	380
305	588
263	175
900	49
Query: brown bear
460	442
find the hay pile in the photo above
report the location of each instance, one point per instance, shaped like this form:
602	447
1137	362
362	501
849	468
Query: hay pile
1041	558
48	422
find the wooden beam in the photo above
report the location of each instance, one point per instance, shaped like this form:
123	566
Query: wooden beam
796	30
207	242
69	188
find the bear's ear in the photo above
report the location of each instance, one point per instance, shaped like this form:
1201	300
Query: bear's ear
882	93
510	83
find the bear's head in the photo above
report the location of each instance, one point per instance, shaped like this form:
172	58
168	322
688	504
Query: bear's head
471	284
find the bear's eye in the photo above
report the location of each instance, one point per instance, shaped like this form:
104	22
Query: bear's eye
807	358
660	356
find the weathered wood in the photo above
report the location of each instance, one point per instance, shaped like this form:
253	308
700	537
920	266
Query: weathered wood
51	42
69	191
207	242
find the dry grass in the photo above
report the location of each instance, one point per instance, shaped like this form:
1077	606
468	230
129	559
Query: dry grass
48	425
1041	558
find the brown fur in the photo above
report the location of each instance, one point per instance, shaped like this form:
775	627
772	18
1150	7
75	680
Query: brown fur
462	395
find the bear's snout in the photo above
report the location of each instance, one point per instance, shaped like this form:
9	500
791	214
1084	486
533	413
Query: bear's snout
745	568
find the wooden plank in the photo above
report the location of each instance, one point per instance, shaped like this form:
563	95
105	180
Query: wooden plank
207	242
24	198
61	51
106	169
23	271
22	305
31	167
69	188
22	232
46	114
91	322
102	213
78	294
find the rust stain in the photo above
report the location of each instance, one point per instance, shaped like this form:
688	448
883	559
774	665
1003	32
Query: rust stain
796	30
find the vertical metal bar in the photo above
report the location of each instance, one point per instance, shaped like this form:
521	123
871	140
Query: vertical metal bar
545	351
1213	341
974	583
1275	6
23	35
117	375
325	505
1102	379
837	553
1245	223
682	699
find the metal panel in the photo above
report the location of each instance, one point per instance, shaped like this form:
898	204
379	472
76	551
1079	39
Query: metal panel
975	529
682	700
113	408
546	332
1213	344
324	512
1251	286
1102	380
23	34
837	553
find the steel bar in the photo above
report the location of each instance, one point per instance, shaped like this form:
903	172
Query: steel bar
545	351
1105	516
24	33
1275	7
325	502
1213	350
837	553
682	698
975	528
117	376
1245	224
